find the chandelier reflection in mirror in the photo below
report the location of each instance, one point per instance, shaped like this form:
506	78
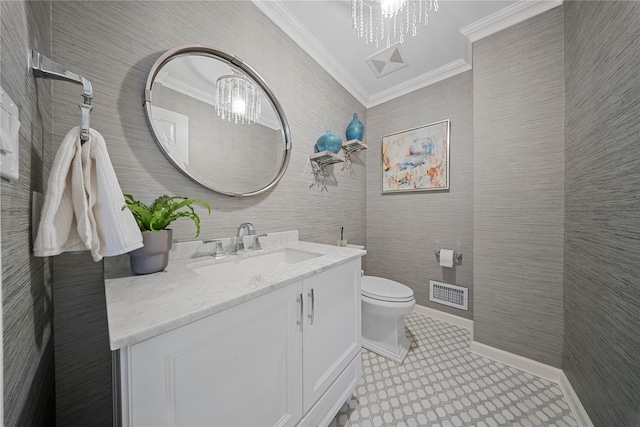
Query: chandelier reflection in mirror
376	20
238	99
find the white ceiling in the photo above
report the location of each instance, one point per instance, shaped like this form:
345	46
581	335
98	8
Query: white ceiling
440	50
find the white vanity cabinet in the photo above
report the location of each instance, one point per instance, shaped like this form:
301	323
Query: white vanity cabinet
331	340
289	357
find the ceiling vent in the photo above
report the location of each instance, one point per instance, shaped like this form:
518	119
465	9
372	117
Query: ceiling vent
388	60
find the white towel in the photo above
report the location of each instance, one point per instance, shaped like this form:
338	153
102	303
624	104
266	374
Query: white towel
83	204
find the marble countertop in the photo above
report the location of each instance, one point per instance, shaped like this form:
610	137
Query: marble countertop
141	307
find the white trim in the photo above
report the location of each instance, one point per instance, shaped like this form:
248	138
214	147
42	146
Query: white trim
287	22
180	86
445	317
427	79
519	362
541	370
581	416
466	49
518	12
183	87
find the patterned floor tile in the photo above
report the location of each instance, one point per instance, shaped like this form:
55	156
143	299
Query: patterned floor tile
441	383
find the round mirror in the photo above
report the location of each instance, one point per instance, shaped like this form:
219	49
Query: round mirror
217	120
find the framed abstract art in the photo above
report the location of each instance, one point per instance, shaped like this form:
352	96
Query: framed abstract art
416	159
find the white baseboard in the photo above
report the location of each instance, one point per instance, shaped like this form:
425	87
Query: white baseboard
445	317
541	370
519	362
582	418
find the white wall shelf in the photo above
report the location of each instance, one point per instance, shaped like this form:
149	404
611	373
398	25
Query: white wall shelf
319	161
324	158
354	145
350	147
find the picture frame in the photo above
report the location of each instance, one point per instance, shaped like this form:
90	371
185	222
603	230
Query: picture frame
416	159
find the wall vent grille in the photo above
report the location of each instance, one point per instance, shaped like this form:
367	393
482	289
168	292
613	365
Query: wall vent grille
451	295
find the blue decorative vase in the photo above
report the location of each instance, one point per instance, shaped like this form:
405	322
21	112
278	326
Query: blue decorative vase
329	142
355	130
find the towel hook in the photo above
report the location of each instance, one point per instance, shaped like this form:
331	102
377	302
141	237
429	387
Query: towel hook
45	67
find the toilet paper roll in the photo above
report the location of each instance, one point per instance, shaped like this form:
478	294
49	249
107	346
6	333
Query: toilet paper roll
446	258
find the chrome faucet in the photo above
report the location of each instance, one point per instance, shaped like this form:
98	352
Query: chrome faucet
239	237
218	249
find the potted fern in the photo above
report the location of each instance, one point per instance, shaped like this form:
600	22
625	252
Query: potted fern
153	221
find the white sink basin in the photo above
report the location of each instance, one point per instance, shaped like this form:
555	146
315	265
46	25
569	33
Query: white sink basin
239	268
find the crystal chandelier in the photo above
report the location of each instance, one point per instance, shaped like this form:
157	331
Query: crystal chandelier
376	20
238	98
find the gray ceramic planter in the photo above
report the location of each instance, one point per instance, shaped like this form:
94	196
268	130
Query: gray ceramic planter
154	255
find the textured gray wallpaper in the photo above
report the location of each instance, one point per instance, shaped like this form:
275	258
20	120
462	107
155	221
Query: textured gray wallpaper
405	229
505	210
27	306
217	147
125	40
81	342
602	196
114	44
518	206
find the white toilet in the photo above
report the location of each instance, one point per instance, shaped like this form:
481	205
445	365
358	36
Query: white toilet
384	305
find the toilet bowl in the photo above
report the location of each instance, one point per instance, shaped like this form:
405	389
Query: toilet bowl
384	305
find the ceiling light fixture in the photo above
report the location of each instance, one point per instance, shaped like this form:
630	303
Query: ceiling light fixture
375	20
238	98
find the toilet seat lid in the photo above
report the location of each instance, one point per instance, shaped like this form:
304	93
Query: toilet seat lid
385	289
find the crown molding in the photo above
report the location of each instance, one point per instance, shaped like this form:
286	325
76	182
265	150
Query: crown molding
283	18
434	76
466	49
507	17
287	22
178	85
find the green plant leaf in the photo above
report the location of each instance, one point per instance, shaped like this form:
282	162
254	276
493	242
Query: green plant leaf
141	212
163	211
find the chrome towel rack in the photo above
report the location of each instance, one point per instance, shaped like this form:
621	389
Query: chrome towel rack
45	67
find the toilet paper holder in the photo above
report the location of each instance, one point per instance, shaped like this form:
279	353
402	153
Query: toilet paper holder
456	255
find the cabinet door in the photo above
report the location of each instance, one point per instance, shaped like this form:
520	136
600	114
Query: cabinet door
332	328
239	367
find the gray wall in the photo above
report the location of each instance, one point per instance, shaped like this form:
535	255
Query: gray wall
519	187
504	210
602	226
116	54
232	157
27	306
81	342
404	229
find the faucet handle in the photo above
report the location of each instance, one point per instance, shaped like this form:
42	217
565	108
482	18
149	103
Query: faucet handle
255	244
218	249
